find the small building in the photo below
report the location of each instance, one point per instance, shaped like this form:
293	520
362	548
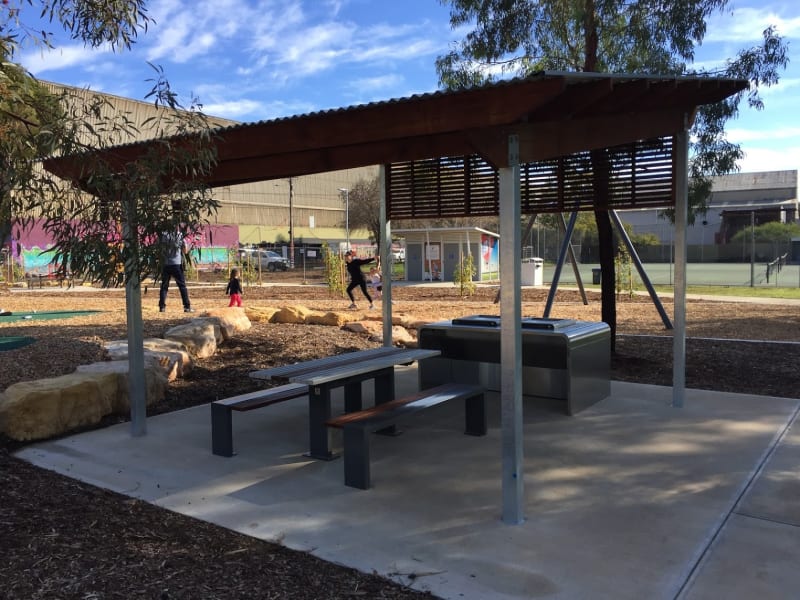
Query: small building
433	254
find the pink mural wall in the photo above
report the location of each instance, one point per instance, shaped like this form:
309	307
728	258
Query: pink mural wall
31	247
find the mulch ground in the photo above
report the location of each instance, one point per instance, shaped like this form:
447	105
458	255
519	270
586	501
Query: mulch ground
65	539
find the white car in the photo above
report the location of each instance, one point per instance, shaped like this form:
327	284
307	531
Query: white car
271	261
399	255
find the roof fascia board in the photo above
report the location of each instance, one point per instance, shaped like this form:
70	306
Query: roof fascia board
540	141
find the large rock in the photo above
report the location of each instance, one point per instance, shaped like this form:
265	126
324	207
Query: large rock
172	356
400	335
292	314
258	314
200	336
231	320
155	381
335	319
35	410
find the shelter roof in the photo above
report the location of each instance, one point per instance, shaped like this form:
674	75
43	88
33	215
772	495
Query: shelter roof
554	114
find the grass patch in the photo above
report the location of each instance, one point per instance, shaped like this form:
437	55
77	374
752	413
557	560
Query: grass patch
786	293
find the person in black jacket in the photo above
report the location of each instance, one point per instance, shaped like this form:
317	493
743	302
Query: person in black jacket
234	289
357	277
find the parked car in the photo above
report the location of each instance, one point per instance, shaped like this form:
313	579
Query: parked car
398	254
270	260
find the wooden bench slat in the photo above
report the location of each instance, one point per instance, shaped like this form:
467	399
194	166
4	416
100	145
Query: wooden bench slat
222	421
357	426
432	396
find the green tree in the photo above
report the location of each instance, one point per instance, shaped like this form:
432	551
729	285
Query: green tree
519	37
135	199
132	203
27	113
776	233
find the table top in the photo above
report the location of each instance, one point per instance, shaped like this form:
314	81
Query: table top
361	366
330	368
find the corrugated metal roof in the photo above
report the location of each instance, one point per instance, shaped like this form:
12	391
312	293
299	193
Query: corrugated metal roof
553	114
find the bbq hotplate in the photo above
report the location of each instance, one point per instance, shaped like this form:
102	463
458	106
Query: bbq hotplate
546	324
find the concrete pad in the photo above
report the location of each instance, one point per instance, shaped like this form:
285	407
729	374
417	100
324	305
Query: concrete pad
775	496
622	500
753	558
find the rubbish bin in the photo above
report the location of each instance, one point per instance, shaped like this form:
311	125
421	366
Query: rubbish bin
532	271
596	275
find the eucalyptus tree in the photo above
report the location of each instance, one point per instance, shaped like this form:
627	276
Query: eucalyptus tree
107	212
130	204
520	37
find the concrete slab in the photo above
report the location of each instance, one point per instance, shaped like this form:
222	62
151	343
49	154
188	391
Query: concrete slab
622	500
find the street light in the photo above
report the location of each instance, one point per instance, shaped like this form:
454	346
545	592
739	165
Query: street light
346	193
291	223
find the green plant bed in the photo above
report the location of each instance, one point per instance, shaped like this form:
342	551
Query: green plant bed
12	342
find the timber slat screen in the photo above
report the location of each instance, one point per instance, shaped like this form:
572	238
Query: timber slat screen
637	175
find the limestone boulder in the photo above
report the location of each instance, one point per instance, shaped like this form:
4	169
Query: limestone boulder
231	320
403	337
335	319
407	321
258	314
155	381
291	314
200	336
374	329
172	356
35	410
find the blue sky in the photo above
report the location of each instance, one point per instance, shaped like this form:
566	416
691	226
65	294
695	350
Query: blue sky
250	60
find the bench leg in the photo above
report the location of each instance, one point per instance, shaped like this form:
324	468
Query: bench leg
384	392
356	457
352	397
475	415
221	430
319	412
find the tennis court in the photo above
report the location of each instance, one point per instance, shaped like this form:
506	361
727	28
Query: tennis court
723	274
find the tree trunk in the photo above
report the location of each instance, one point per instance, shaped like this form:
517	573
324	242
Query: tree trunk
608	311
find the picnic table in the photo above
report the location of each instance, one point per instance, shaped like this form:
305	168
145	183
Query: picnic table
348	370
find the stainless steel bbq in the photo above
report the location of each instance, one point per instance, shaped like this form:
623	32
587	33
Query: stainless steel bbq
561	358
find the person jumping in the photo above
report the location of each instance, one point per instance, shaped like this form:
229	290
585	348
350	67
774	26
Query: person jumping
357	277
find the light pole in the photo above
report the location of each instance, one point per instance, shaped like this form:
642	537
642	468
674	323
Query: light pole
291	223
346	193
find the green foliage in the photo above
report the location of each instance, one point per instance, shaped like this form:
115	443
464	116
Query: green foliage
136	198
116	23
623	269
640	240
464	274
772	232
520	37
140	196
334	270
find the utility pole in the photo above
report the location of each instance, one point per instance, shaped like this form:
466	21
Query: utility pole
346	193
752	248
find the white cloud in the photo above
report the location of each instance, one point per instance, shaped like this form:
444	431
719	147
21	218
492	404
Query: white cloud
770	159
63	58
235	109
380	82
745	25
741	136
